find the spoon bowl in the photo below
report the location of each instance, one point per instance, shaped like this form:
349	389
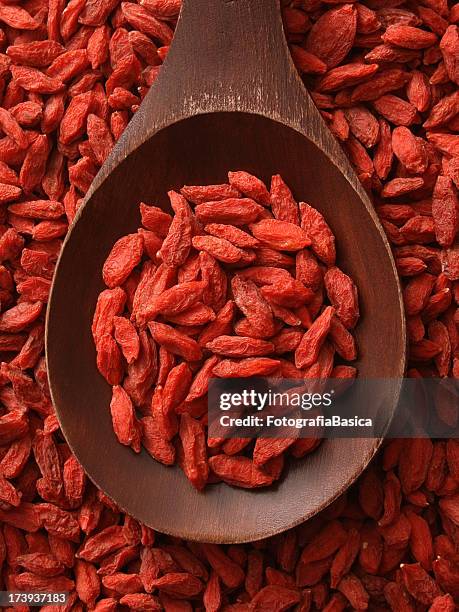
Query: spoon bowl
191	129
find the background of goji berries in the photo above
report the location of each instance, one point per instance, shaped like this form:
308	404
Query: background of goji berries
384	73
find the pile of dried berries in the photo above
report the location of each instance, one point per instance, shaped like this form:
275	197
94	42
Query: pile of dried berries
229	289
384	73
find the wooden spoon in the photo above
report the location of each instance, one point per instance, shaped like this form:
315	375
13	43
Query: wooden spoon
228	98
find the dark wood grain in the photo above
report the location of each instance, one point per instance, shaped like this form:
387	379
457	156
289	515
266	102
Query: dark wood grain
228	97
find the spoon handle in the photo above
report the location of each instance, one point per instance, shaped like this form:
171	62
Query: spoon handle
230	55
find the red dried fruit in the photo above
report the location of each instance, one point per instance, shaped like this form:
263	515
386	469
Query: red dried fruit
239	471
156	220
155	443
345	557
103	543
363	125
265	275
73	124
383	154
346	76
332	35
275	597
409	150
320	234
280	235
413	471
396	110
74	481
31	582
153	281
443	111
417	292
127	338
17	17
68	65
220	248
100	138
122	584
177	299
144	21
445	211
288	294
142	372
35	81
19	317
177	243
125	424
58	522
306	62
38	209
221	325
110	303
102	29
352	588
109	359
266	449
283	204
123	258
175	342
153	294
252	304
342	340
194	461
308	350
449	46
47	458
326	542
208	193
212	597
409	37
382	83
87	582
238	346
233	234
442	603
343	295
418	583
178	584
236	211
251	186
12	129
255	366
41	564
